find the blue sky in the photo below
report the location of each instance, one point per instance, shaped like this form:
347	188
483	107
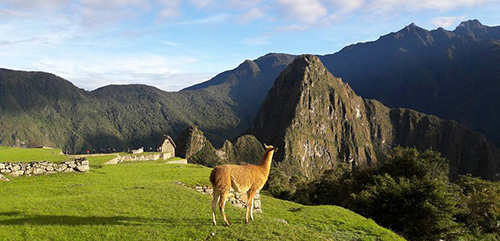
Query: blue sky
172	44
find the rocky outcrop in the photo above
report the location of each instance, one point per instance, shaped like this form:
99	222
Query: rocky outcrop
3	179
189	142
316	121
16	169
236	199
244	150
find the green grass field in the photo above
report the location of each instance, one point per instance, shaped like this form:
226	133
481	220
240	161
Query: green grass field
15	154
140	201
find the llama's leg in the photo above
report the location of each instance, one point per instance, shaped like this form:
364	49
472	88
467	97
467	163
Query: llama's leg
251	210
250	194
222	205
215	199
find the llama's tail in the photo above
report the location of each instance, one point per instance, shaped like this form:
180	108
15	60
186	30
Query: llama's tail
212	177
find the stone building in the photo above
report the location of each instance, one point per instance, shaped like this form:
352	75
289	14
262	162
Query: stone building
167	147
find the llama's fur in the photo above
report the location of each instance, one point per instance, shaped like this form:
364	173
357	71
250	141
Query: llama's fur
242	178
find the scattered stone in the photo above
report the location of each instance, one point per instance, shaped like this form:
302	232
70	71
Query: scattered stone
16	173
3	179
28	171
282	221
181	161
44	167
83	168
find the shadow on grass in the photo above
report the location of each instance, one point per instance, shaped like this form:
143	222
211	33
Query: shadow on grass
96	220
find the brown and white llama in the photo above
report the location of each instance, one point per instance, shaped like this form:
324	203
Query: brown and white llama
242	178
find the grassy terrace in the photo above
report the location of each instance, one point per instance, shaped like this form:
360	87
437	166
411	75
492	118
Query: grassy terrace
140	201
15	154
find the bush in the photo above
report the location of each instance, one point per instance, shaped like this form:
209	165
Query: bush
410	193
420	209
482	200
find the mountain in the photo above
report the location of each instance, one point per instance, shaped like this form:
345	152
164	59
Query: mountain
316	121
450	74
43	109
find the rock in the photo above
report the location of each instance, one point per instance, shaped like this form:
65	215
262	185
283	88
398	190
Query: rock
28	171
257	196
282	221
5	171
72	165
3	179
257	204
83	168
68	170
2	166
189	142
85	162
115	160
238	205
181	161
38	171
15	168
16	173
49	168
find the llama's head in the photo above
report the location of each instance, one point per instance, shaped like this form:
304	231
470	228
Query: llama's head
269	148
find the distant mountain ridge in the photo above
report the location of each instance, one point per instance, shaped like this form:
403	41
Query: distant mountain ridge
317	121
42	109
451	74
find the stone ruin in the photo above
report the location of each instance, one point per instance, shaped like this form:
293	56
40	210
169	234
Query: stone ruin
236	199
16	169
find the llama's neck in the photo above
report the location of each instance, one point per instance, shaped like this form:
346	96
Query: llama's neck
266	161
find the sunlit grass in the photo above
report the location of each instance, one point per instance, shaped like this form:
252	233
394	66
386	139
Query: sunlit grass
16	154
141	201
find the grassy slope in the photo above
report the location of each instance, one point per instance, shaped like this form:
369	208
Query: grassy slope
140	201
14	154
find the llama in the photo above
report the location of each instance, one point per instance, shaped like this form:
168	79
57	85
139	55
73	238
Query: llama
242	178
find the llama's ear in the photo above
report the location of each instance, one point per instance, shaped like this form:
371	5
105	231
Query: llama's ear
265	146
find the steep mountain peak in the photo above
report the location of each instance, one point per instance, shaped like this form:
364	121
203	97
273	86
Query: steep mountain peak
249	65
412	27
308	113
270	61
475	29
471	24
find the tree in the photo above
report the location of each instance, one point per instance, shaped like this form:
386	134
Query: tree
482	200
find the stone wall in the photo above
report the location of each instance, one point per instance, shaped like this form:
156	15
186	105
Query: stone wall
15	169
236	199
152	157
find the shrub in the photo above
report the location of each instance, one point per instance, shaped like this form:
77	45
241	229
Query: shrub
482	200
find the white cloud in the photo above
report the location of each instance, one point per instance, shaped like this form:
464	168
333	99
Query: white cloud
170	8
200	3
91	72
308	11
219	18
251	15
242	4
446	22
34	4
390	6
